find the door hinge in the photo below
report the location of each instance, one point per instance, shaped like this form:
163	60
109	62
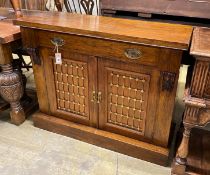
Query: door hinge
168	81
96	97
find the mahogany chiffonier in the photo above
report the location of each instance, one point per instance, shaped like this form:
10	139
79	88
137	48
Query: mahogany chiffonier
197	97
117	82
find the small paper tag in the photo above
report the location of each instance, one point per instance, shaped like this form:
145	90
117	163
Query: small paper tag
58	59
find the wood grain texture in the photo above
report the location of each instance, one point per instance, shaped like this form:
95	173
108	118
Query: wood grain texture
5	54
199	84
124	104
200	42
70	87
207	87
152	33
197	112
11	86
9	32
100	48
120	82
153	61
29	40
200	50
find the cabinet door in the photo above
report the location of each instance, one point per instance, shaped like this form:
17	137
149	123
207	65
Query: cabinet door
70	86
129	98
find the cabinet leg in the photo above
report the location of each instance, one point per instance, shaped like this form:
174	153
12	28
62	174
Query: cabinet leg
11	89
180	163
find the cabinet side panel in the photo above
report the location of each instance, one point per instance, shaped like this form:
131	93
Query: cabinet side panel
29	41
169	69
199	88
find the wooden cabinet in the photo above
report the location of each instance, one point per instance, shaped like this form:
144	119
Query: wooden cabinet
117	82
113	91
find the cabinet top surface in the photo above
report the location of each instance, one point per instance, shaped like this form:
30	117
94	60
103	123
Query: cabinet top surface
9	32
201	42
136	31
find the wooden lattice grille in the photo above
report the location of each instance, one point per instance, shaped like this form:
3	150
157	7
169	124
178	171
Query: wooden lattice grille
127	99
71	84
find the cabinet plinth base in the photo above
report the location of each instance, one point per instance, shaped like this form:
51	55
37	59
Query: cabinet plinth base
115	142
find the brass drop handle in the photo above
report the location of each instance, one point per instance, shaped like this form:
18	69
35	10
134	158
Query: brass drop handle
99	97
94	96
57	41
133	54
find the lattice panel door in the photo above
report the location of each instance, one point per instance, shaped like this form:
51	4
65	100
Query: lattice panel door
127	99
70	87
71	84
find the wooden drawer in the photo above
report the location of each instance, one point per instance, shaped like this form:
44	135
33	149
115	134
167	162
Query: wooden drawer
123	51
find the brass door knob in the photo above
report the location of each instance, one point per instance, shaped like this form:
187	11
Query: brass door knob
133	54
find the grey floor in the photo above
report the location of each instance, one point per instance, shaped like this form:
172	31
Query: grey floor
27	150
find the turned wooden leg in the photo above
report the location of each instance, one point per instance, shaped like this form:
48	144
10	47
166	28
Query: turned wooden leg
181	157
11	89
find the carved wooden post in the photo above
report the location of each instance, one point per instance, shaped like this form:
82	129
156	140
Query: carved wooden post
181	157
17	7
11	89
191	119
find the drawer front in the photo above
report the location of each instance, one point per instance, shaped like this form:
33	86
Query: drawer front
116	50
